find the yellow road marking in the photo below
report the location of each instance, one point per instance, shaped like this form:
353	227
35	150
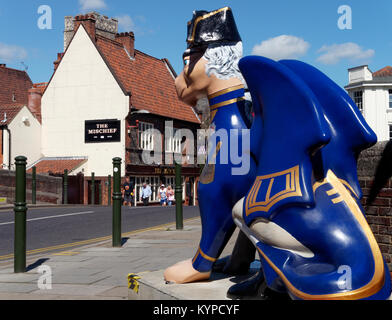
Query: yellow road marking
101	239
66	253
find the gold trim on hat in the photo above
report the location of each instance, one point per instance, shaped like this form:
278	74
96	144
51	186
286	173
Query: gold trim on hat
207	15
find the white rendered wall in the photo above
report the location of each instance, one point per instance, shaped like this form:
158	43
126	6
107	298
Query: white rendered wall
82	88
376	110
25	138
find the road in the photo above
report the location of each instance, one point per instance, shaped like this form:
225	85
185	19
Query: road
58	228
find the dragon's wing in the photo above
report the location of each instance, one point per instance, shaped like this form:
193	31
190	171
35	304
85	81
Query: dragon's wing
350	132
288	127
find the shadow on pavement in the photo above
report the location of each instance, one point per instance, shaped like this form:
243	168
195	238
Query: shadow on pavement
36	264
124	240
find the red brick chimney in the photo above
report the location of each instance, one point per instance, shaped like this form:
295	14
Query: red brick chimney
34	99
127	39
88	21
59	57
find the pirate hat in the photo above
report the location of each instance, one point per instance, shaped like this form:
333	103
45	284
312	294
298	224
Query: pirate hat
212	27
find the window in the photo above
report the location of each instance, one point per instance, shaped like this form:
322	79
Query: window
154	182
146	136
358	100
390	132
173	143
390	99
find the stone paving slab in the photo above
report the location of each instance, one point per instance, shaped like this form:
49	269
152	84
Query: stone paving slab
18	277
76	278
27	296
153	241
58	260
18	287
33	296
74	289
100	271
121	292
152	286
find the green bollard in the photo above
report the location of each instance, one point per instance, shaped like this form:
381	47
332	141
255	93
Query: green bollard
116	225
109	190
65	186
34	185
20	210
92	188
178	196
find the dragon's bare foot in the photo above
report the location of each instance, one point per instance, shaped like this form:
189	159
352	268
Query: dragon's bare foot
183	272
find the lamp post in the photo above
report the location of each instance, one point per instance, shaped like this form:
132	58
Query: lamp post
20	210
178	196
116	218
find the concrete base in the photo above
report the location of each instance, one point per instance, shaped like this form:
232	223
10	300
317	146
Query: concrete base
153	287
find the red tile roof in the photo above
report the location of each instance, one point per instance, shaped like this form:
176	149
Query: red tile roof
13	82
147	79
384	72
57	166
8	112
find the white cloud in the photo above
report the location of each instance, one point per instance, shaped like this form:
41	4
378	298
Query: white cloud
9	53
334	53
282	47
86	5
125	23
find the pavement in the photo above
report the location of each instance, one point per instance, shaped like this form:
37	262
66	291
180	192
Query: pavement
99	271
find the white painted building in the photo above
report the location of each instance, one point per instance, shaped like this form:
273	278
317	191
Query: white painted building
372	92
82	89
21	135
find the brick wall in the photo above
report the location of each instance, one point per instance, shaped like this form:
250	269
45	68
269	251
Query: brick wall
379	214
49	189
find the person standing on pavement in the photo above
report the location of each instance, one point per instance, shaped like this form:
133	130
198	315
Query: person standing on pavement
170	195
128	192
146	193
162	195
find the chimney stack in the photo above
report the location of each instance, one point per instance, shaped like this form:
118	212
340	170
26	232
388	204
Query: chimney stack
127	39
34	99
88	21
103	26
59	57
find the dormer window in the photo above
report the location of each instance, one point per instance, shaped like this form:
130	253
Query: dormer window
358	100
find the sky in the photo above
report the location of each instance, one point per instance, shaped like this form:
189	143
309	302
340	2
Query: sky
318	32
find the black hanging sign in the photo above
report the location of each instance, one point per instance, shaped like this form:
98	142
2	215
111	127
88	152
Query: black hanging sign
102	131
